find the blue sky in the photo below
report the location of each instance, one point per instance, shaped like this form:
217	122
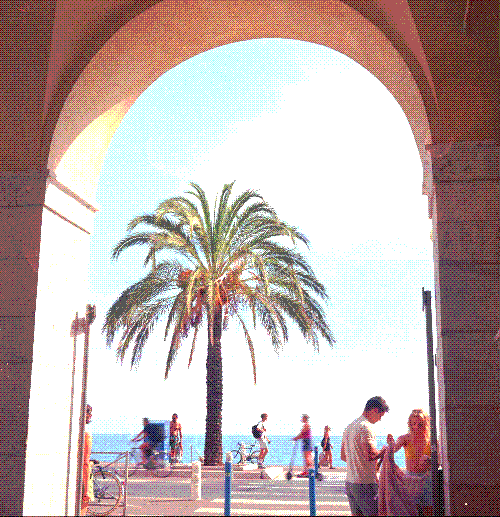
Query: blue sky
327	145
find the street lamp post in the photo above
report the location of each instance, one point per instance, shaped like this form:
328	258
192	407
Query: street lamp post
83	325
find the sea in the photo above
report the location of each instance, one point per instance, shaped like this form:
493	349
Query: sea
280	448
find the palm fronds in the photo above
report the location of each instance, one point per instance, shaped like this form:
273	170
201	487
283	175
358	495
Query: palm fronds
233	256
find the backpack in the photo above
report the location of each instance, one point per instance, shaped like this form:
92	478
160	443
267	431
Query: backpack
323	442
257	433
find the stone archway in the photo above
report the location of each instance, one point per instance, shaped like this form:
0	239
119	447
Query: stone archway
134	57
162	37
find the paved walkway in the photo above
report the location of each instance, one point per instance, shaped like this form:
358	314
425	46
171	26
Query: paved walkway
171	496
259	497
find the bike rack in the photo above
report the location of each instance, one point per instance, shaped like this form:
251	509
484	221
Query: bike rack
119	456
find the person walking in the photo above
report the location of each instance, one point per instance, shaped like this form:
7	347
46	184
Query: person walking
327	447
263	440
360	453
306	436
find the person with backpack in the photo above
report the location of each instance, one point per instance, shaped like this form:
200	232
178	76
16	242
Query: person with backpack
259	432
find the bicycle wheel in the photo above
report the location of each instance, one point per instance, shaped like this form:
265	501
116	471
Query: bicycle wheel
237	459
253	457
107	492
135	463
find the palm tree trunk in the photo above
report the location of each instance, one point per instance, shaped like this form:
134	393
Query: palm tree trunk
213	425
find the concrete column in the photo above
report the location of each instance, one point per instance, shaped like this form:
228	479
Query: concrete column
21	202
466	255
61	291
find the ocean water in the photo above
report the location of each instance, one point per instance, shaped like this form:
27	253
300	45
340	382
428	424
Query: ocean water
280	448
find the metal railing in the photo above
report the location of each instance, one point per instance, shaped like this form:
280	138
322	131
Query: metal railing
196	451
119	456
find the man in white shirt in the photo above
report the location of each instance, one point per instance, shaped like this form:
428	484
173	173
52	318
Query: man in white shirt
360	452
263	440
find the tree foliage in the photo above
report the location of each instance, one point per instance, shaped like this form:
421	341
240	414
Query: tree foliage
233	259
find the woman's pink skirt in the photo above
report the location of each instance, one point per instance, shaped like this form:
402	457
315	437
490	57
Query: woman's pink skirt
397	490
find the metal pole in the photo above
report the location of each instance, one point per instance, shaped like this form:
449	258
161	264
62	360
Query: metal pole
436	498
312	492
81	431
125	486
89	318
70	436
227	484
316	461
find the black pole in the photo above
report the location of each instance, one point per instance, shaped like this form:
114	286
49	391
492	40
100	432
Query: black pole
436	496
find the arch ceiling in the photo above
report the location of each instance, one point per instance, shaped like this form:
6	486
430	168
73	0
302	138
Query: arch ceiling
171	32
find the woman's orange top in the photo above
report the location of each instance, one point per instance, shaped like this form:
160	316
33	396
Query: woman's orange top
411	453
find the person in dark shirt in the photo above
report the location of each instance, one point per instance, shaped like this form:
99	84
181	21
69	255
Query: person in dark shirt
327	446
151	436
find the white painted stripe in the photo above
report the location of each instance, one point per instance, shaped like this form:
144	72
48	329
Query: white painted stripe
280	502
157	480
281	487
154	498
288	494
248	511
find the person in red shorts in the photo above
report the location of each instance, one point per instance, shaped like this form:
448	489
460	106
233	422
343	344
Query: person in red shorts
306	436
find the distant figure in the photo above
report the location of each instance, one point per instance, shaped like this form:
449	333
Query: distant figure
88	486
327	447
263	440
306	436
175	441
151	438
360	452
417	446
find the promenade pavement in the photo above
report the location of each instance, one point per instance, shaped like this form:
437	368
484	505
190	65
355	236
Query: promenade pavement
252	496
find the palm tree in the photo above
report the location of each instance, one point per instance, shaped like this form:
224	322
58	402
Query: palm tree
214	269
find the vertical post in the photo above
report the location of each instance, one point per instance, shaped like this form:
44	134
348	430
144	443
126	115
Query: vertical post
312	492
89	319
196	481
227	484
426	298
70	436
316	461
81	432
125	486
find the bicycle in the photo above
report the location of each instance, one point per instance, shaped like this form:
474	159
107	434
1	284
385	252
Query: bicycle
107	489
240	455
153	461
